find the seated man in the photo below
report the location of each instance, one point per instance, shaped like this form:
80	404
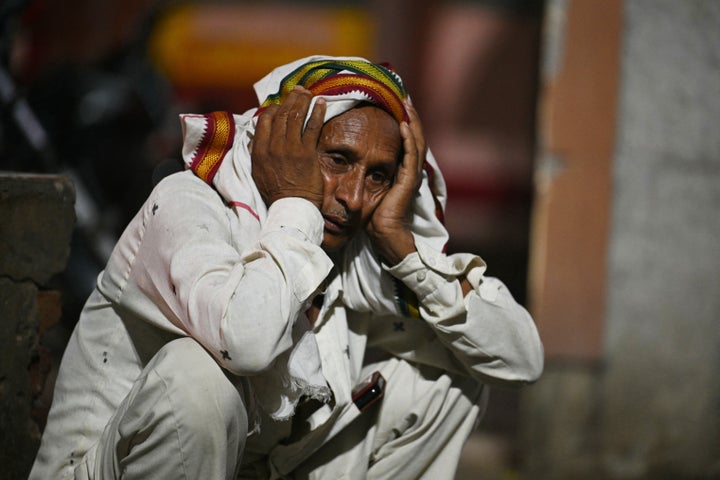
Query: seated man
284	309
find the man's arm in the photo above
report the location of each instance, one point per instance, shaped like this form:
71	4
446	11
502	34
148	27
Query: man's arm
486	333
474	318
235	290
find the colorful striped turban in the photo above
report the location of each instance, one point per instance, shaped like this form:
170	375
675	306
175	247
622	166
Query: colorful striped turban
377	83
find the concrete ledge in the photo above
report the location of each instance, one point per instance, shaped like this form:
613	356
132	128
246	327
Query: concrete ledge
37	216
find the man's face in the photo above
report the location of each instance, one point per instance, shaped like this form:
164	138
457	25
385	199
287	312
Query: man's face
359	152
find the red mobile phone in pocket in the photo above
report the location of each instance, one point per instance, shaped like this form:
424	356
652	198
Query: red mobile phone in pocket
369	391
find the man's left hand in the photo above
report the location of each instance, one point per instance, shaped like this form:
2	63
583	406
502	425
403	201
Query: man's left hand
389	227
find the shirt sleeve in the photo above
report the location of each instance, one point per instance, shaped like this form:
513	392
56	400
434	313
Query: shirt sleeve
490	335
234	286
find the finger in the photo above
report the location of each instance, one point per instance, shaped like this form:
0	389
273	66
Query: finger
417	130
416	127
414	118
285	111
296	108
311	135
410	161
261	139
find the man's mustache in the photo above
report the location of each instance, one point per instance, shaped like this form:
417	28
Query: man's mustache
340	213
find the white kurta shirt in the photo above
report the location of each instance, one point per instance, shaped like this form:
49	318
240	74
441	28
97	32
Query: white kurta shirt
187	265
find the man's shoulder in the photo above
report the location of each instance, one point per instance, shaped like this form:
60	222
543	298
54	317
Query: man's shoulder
179	180
182	195
185	183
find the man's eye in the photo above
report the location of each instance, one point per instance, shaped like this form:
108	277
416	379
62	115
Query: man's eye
378	177
335	163
378	180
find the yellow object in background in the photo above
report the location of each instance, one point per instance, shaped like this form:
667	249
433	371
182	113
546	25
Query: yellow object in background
231	46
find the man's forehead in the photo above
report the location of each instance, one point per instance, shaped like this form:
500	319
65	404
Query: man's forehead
367	132
364	114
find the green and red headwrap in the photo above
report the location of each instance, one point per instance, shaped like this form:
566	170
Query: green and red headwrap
216	148
376	83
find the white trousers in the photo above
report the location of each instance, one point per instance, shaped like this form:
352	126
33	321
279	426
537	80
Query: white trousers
416	431
185	419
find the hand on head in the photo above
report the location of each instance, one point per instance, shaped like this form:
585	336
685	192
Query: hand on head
284	155
285	164
389	226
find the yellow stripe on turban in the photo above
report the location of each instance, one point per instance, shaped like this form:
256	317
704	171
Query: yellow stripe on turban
378	83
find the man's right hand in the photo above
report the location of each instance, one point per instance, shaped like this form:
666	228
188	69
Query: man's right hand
284	157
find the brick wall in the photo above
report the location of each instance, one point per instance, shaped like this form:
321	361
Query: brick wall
36	221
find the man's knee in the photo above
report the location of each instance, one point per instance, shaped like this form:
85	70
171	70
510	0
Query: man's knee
198	387
182	416
192	376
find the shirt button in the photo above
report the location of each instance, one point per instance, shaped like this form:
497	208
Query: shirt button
421	276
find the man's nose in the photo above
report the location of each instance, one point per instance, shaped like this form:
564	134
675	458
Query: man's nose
351	190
